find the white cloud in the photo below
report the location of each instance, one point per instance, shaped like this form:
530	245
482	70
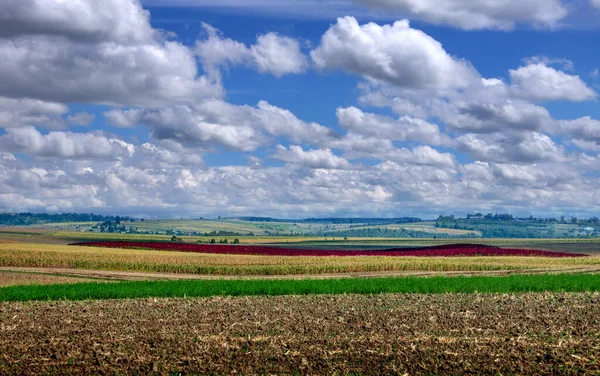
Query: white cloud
406	128
482	117
123	118
520	147
278	55
64	144
395	54
16	113
585	130
218	123
81	118
312	158
422	155
540	82
389	188
463	14
150	156
477	14
595	3
197	127
272	53
123	21
78	52
566	64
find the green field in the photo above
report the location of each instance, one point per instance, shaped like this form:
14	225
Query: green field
432	285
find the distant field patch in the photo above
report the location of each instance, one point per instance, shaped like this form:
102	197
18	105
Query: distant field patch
16	278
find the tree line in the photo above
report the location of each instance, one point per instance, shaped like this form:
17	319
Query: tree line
25	219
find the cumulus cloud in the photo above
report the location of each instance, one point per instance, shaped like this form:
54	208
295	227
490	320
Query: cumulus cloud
272	53
394	54
118	20
406	128
540	82
64	144
27	112
463	14
477	14
150	156
585	130
197	128
218	123
81	118
77	52
481	117
519	147
311	158
123	118
422	155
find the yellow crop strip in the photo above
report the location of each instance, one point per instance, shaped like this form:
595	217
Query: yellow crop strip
61	256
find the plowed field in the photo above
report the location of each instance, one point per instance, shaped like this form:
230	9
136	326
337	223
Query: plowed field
544	333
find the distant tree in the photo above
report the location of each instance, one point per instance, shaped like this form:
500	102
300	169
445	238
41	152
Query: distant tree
212	241
236	241
174	238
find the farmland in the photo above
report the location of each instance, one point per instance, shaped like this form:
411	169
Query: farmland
541	333
77	257
299	304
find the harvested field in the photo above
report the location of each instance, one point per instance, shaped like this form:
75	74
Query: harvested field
12	278
91	258
539	333
449	250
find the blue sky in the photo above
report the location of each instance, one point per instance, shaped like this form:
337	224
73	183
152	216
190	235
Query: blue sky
350	107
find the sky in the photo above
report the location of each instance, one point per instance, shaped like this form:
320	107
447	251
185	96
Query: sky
300	108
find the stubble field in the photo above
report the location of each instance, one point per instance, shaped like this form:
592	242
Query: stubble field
538	333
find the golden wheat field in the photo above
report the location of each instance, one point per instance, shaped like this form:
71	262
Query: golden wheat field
77	257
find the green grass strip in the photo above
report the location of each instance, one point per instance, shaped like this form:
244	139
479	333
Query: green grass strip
189	288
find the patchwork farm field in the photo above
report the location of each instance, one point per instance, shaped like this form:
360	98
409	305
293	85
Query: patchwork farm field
297	307
534	333
18	255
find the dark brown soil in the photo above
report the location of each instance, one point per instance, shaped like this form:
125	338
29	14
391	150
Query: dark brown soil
543	333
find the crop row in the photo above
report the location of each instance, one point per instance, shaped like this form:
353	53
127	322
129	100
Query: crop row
451	250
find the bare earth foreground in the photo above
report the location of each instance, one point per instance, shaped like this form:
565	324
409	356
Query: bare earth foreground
378	334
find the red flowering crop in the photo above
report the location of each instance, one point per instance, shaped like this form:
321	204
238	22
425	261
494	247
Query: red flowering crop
450	250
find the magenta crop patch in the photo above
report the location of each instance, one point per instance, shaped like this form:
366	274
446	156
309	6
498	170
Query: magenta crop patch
450	250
